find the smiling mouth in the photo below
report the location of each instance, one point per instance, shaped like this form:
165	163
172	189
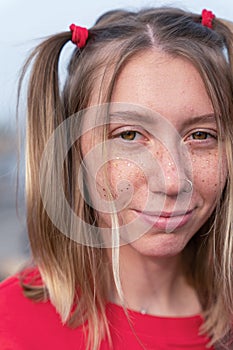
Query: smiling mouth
166	221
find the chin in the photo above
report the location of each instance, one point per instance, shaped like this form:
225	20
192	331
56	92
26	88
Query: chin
160	245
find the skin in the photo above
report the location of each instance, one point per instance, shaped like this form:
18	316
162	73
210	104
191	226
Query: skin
153	166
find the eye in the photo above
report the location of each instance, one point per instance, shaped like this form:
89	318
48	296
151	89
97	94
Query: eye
202	135
129	135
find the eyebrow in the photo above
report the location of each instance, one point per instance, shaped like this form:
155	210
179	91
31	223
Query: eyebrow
203	119
151	117
131	115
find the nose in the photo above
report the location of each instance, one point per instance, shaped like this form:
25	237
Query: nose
170	171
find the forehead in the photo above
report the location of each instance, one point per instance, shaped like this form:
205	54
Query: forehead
170	86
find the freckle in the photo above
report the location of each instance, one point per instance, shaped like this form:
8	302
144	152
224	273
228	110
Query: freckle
203	180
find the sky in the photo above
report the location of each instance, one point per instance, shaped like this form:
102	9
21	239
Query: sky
24	22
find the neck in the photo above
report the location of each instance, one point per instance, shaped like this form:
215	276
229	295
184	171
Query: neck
154	285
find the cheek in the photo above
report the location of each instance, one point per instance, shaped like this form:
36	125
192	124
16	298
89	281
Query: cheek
121	177
209	174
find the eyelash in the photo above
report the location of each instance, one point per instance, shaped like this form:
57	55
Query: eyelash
138	136
135	137
208	135
128	132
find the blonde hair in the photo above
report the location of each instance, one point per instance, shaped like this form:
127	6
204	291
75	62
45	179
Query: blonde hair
78	277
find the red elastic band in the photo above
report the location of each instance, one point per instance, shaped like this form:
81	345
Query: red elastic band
207	18
79	35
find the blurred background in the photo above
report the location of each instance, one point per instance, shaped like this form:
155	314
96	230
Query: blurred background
22	25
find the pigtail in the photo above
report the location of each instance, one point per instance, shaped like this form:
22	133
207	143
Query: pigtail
220	243
45	111
72	273
43	100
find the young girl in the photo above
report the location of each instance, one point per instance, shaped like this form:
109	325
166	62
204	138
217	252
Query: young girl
129	188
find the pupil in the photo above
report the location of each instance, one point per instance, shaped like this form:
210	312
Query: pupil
128	135
200	135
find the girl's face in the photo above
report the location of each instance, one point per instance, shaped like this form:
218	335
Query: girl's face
162	165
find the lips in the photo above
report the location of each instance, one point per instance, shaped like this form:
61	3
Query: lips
166	221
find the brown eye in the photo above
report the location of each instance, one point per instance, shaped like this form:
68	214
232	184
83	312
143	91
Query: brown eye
200	135
128	135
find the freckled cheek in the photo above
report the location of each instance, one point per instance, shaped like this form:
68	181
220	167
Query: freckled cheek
208	174
121	176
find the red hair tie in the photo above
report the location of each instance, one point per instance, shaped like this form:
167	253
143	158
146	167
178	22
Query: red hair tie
79	35
207	18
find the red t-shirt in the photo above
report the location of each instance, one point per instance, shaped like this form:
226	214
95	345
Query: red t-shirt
29	325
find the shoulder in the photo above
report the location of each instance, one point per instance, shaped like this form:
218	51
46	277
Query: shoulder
15	306
11	292
8	283
13	311
17	312
26	324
